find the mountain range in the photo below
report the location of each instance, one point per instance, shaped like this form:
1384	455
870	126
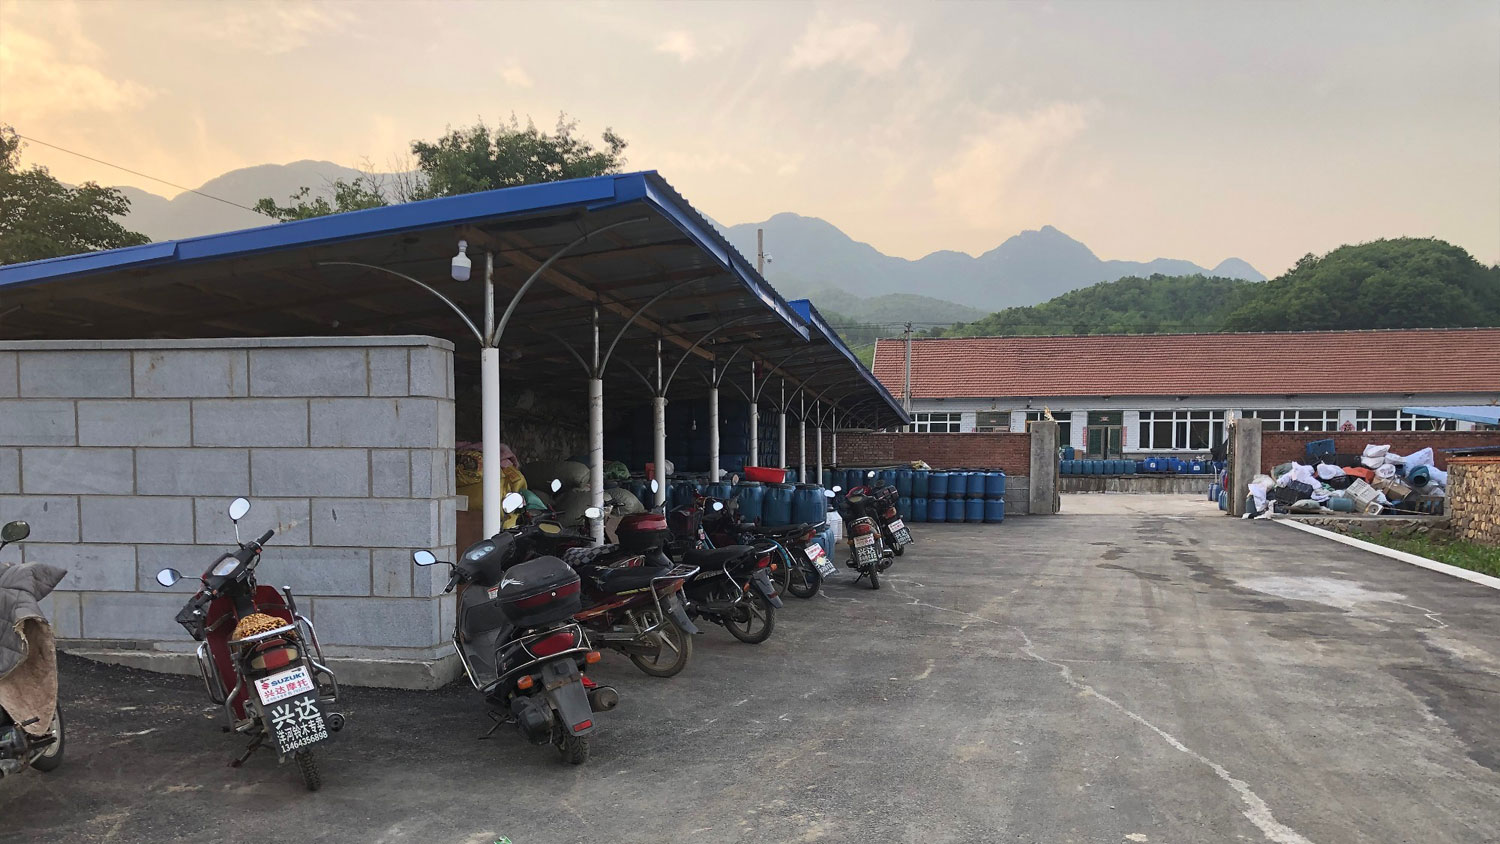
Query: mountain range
810	257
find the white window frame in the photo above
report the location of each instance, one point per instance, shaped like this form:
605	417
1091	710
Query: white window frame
1178	433
925	422
1064	420
1393	419
1297	420
992	429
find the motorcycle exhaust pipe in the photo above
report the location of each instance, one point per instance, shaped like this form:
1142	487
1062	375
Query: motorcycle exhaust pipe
603	698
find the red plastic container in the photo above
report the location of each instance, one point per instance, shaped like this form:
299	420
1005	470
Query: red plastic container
765	475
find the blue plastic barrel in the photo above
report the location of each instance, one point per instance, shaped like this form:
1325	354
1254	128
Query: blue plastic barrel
903	483
917	510
778	506
1065	467
808	504
1224	501
919	480
828	480
853	478
1199	467
937	487
994	484
791	475
886	477
752	498
826	540
955	509
974	510
994	510
720	490
937	509
1213	491
958	486
976	487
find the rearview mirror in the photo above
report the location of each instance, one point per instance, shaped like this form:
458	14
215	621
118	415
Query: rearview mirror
168	577
556	485
593	513
423	558
718	505
828	493
551	528
513	502
654	485
837	489
15	531
238	508
734	480
870	474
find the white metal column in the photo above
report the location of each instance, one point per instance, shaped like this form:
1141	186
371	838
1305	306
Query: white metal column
713	431
781	421
754	420
835	437
596	452
659	444
490	472
819	433
802	442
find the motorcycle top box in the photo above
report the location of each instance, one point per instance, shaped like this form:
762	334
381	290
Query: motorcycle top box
643	532
537	592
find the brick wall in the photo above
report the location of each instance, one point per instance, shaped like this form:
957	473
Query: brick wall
1008	452
124	455
1279	447
1474	498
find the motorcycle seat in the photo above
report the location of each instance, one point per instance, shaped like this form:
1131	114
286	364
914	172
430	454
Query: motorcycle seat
717	558
784	531
613	581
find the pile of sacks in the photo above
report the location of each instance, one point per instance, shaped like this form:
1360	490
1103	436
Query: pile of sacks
1372	483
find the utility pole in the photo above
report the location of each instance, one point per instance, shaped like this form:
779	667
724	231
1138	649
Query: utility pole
760	251
906	396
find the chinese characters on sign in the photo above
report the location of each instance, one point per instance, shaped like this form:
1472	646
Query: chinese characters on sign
297	723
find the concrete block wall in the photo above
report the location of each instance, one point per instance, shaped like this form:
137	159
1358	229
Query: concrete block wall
124	456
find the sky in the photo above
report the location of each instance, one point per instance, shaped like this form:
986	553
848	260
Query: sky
1194	130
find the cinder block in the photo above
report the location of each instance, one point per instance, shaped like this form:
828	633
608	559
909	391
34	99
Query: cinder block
134	423
91	568
375	523
136	518
310	471
429	372
392	622
238	423
390	474
61	608
190	373
315	571
8	376
388	372
308	372
34	422
446	437
189	560
102	374
53	518
10	471
75	471
376	423
287	516
131	615
192	471
391	572
447	521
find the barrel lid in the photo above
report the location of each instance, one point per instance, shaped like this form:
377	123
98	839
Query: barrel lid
751	483
780	486
809	486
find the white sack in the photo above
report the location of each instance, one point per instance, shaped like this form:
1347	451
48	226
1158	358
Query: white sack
1419	458
1385	471
1300	474
1373	462
1328	471
1377	451
1436	476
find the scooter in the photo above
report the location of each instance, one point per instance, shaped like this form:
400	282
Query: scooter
520	645
868	552
252	637
31	721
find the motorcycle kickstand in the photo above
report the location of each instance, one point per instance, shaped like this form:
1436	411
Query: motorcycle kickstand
254	746
499	722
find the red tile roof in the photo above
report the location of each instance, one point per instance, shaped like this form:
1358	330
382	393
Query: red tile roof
1461	360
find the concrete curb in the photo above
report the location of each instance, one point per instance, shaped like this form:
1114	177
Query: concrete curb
1413	559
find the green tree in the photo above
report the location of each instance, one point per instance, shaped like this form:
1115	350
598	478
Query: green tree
476	158
41	217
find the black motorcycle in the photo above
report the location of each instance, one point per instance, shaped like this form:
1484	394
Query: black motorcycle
886	508
869	554
520	645
799	562
252	637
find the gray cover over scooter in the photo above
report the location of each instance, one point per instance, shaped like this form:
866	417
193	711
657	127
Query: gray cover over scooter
28	654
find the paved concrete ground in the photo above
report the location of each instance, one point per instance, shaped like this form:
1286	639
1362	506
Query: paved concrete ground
1079	678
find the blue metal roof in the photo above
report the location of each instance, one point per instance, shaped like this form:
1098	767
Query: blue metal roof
1485	414
809	313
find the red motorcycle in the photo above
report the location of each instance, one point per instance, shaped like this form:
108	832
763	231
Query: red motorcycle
252	637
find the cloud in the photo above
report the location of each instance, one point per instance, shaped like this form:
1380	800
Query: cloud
273	27
681	44
866	46
1010	156
49	78
516	76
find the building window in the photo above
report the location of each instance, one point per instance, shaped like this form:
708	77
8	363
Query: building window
1395	420
935	423
1297	420
991	421
1181	429
1064	423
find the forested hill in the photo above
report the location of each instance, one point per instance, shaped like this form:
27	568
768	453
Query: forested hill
1401	283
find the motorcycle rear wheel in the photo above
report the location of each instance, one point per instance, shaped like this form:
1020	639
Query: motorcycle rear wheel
52	756
574	749
900	549
875	577
307	766
759	623
676	649
805	581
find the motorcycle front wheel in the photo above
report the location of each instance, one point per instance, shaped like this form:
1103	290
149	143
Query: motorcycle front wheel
52	756
307	766
574	749
755	621
674	649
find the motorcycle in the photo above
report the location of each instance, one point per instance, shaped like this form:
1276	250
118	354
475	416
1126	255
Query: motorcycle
886	509
868	552
732	587
31	721
798	572
520	645
252	637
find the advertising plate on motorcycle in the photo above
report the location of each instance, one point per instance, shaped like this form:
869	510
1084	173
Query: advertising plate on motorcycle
296	722
897	525
865	540
293	681
903	535
820	560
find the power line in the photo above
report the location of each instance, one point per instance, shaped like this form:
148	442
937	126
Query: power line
138	173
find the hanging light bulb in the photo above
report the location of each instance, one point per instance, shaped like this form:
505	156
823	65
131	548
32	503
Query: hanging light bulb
461	262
